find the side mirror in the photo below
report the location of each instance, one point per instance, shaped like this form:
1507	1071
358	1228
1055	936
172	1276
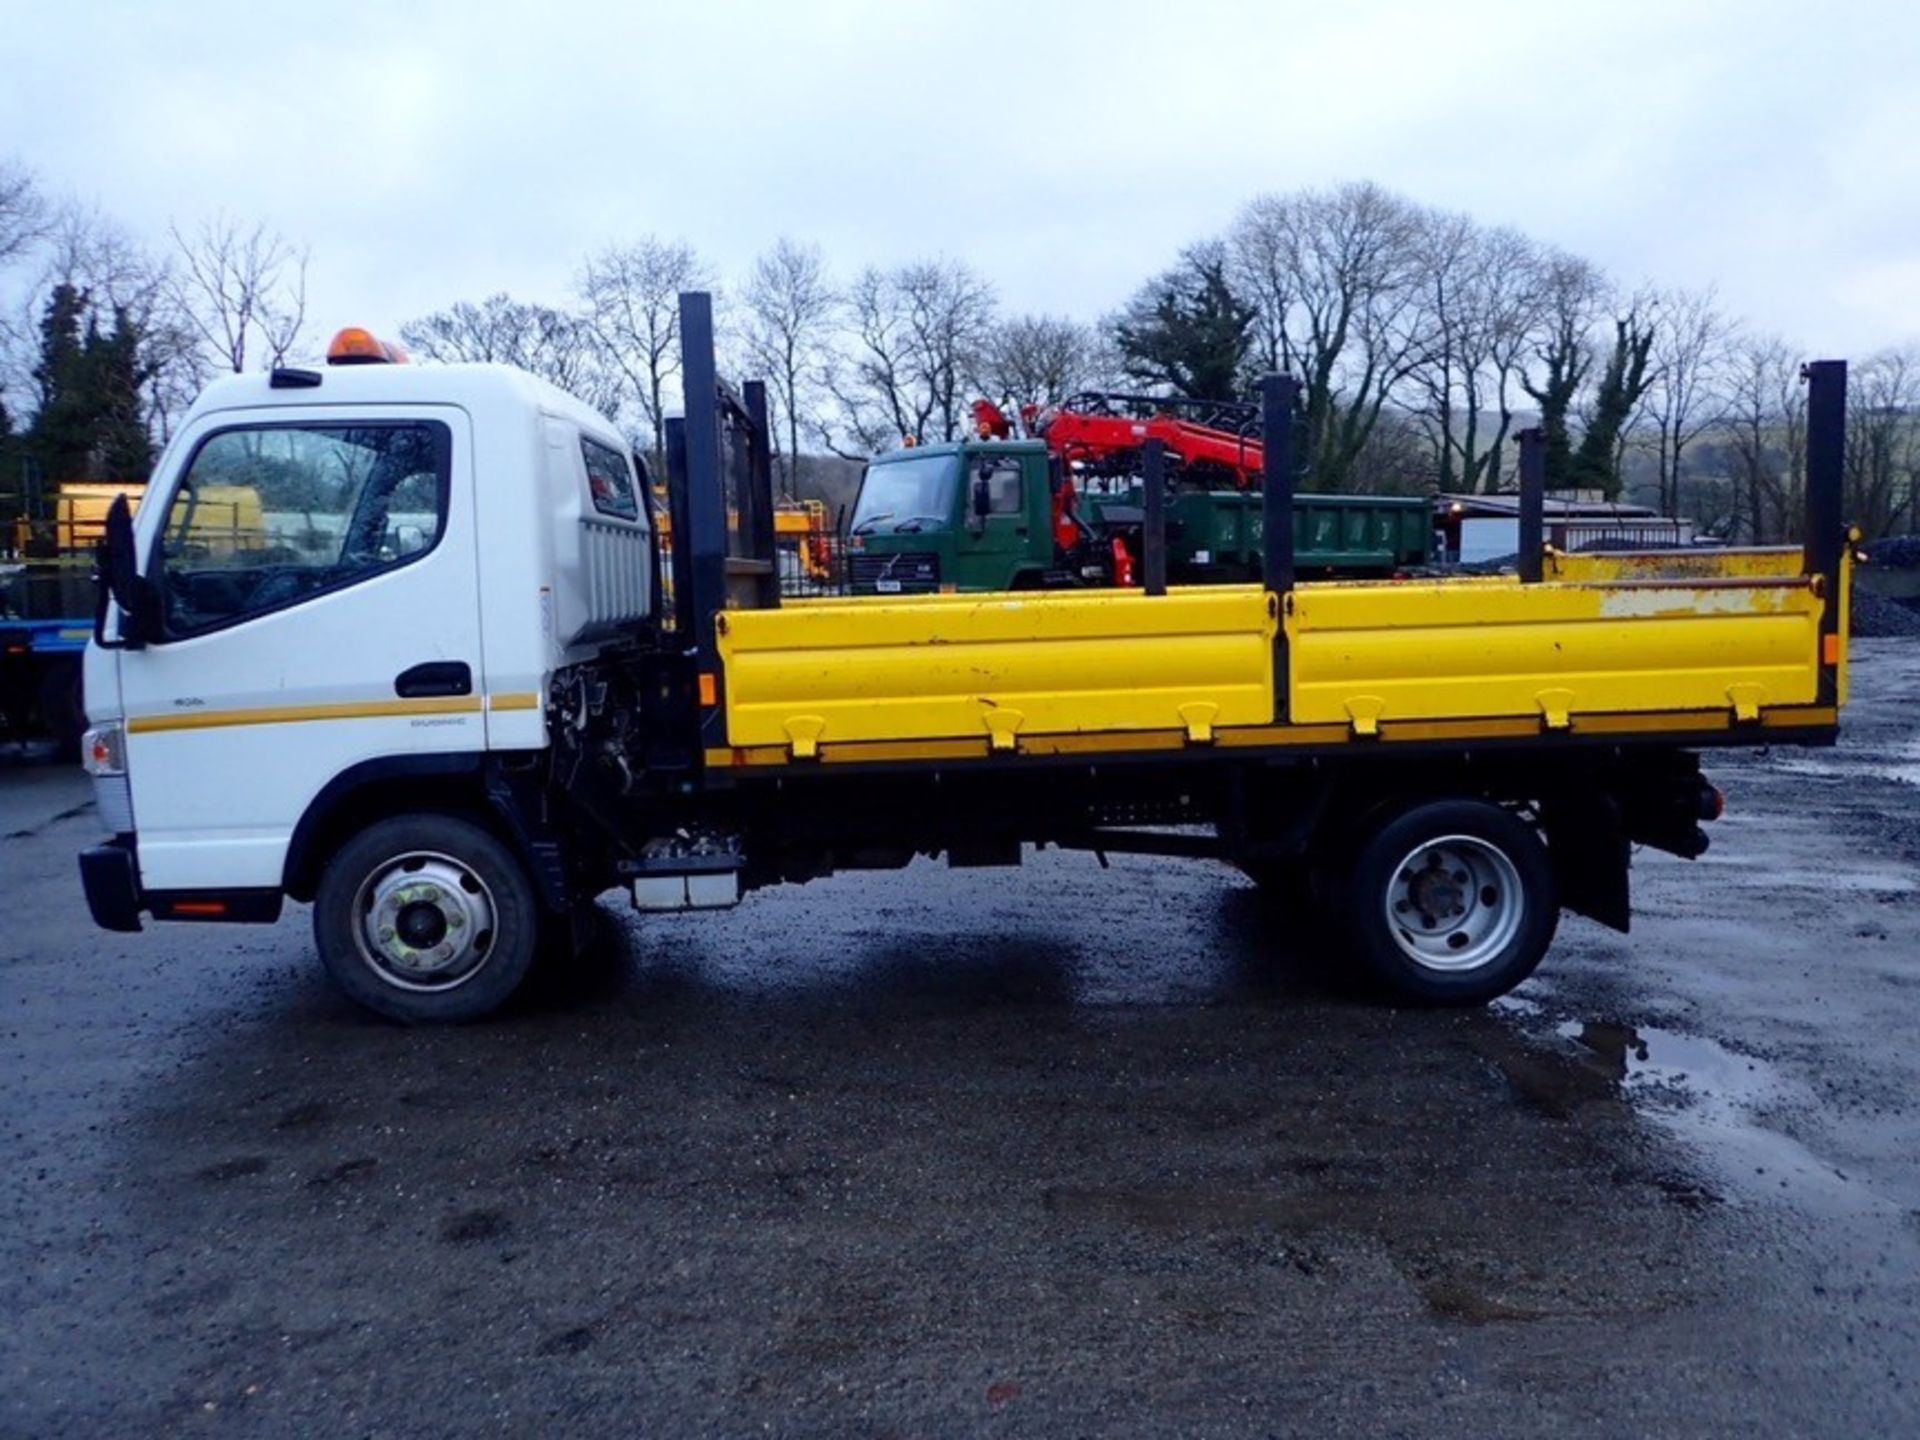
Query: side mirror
982	497
119	580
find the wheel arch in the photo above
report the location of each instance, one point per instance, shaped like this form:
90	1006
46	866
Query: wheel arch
376	789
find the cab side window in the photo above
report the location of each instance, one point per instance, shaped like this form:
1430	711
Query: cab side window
609	481
267	516
1003	488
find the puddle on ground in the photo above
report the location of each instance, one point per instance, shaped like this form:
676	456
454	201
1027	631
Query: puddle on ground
1700	1091
1903	765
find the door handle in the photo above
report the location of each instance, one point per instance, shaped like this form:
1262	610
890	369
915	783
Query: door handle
435	678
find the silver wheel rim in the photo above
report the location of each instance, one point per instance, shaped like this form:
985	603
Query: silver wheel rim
1454	903
425	922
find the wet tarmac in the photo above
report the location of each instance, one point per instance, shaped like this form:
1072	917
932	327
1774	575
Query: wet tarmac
1055	1151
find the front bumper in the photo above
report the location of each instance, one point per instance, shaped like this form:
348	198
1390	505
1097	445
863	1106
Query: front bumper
112	883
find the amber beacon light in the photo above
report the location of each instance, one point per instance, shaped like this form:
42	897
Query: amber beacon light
355	346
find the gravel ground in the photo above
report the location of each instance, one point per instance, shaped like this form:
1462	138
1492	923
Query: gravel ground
1056	1151
1875	617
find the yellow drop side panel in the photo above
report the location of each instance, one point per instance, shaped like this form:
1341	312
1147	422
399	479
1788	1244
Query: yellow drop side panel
1366	653
999	667
1768	562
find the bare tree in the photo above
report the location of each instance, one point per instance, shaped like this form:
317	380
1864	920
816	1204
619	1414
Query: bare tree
552	344
1339	297
23	211
23	222
1763	431
915	336
1692	342
1260	266
1883	443
632	294
1038	360
1483	295
243	289
791	308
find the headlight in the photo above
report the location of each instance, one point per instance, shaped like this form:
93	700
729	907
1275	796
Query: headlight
103	750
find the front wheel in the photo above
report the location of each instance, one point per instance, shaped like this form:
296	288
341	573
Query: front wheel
1452	902
426	918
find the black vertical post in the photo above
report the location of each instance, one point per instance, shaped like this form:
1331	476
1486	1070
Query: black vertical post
1825	530
679	549
760	478
1279	395
650	507
706	536
1153	477
1533	504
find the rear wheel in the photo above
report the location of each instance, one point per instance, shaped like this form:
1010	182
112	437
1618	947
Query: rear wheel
426	918
1452	902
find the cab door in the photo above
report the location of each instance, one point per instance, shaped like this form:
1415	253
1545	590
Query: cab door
996	540
319	609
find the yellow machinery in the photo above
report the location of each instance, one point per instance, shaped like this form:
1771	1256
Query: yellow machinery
800	528
225	517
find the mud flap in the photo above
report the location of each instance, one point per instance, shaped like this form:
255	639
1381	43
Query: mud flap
1591	858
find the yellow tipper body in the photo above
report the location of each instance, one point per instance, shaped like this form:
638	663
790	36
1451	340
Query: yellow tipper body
1689	642
999	668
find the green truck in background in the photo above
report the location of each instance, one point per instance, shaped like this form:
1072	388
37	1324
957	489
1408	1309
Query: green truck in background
983	515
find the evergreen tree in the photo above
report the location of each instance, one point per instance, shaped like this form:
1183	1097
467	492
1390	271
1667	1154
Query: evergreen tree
1596	464
1189	331
10	476
61	437
91	423
115	377
1565	369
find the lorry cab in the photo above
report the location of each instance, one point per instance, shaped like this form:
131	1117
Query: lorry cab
338	576
970	516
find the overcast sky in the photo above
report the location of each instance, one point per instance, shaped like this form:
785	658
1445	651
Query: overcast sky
434	152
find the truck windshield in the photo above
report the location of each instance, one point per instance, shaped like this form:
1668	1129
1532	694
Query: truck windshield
915	493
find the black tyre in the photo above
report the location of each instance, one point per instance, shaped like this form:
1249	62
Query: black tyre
426	918
62	711
1451	903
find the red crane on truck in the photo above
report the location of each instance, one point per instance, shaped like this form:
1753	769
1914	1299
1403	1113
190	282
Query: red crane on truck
1101	432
